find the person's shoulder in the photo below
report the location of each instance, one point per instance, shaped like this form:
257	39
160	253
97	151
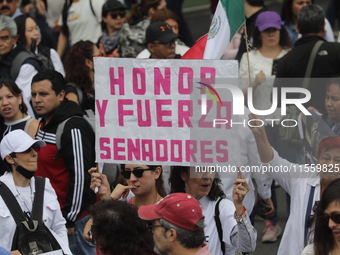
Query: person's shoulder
308	250
181	49
144	54
224	205
4	252
76	121
331	45
227	203
48	185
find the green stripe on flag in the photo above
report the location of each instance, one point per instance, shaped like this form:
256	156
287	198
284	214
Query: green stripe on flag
235	14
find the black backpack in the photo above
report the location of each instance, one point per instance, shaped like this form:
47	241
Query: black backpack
45	62
31	236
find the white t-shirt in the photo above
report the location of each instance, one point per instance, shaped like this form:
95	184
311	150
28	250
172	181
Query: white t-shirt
82	23
262	93
227	209
57	64
54	9
309	250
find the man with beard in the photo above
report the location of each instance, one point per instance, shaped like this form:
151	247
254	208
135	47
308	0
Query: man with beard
177	224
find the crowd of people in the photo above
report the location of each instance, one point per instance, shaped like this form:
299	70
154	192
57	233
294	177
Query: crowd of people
47	84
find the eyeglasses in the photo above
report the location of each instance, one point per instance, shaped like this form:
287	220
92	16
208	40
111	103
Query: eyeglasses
168	44
335	217
136	172
5	38
8	1
150	225
114	15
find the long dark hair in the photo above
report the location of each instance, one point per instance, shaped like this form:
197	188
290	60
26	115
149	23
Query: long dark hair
286	11
117	229
45	42
178	185
323	237
76	70
163	15
16	91
159	182
21	26
284	42
139	11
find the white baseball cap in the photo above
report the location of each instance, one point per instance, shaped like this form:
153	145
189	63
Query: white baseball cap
17	141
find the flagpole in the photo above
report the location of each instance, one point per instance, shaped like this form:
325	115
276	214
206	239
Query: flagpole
247	46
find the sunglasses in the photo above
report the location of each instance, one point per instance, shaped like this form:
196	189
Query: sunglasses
335	217
35	147
168	44
8	1
114	15
136	172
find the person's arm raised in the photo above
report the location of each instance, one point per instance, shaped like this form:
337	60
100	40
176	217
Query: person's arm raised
266	152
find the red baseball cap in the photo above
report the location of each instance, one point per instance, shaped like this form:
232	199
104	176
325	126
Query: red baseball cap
180	209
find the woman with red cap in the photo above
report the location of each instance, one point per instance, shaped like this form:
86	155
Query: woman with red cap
304	183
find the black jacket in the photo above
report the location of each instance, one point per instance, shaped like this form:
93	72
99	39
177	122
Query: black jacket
294	65
67	169
7	60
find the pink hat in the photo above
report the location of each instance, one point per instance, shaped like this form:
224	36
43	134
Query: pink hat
268	19
180	209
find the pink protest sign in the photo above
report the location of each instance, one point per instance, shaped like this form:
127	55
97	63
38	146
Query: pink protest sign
157	112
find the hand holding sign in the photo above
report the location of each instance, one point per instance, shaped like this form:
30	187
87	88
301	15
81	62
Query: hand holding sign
99	181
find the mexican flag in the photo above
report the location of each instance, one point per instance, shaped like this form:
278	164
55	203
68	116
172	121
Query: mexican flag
228	19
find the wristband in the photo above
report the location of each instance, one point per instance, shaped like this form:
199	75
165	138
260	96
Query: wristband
239	218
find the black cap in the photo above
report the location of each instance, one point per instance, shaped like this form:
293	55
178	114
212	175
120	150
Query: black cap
112	5
159	31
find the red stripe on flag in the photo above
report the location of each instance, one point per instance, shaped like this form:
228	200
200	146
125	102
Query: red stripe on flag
197	50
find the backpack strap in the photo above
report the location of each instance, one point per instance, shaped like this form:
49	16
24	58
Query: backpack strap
27	125
12	203
37	210
59	132
311	64
94	14
80	95
308	212
18	61
219	225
